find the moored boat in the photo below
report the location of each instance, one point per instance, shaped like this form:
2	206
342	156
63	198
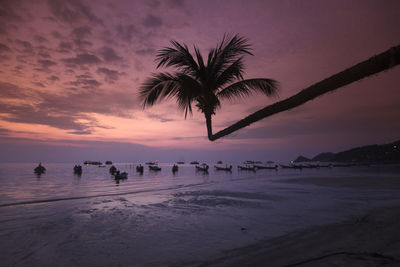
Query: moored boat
139	168
175	168
113	170
283	166
40	169
154	168
226	168
203	167
78	169
261	167
120	176
246	168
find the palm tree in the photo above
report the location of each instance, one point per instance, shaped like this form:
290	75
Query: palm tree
204	83
371	66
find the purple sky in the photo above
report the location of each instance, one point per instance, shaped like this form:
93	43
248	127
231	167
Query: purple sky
71	71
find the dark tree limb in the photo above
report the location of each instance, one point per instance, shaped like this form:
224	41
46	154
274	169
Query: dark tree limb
374	65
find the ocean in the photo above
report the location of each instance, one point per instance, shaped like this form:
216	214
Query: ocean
161	218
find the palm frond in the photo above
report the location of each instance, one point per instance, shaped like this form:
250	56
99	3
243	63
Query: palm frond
228	51
152	88
187	92
200	62
164	85
231	73
177	56
245	88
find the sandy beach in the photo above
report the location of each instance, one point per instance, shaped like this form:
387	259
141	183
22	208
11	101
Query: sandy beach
369	240
328	217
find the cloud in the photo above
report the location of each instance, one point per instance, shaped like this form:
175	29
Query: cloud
82	44
81	32
39	84
53	78
82	59
109	54
86	132
45	63
72	11
64	111
8	90
85	81
39	38
31	115
151	21
7	13
2	30
161	118
125	32
65	47
176	3
24	47
57	35
111	76
4	132
146	51
4	48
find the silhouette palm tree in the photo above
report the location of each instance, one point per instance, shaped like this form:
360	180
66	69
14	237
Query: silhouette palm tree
376	64
197	82
204	83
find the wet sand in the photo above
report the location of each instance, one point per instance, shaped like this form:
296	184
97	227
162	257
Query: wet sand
383	182
369	240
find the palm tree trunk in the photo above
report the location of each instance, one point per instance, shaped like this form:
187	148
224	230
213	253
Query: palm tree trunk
209	125
374	65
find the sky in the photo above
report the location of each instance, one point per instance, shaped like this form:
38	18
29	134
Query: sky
71	70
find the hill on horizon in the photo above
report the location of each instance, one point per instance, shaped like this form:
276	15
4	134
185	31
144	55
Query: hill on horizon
387	153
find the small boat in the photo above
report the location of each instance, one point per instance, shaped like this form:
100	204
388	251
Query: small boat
139	168
180	162
78	169
40	169
101	166
194	162
154	168
226	168
203	167
266	167
113	170
175	168
88	162
247	168
248	162
108	162
120	176
219	162
150	163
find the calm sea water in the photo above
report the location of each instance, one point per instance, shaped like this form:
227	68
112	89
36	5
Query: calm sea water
63	219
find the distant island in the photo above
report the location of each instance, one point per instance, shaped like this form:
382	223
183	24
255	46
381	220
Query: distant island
388	153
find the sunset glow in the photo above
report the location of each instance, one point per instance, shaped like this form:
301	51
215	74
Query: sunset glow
71	71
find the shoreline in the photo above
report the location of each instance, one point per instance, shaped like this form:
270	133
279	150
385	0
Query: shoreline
356	181
372	239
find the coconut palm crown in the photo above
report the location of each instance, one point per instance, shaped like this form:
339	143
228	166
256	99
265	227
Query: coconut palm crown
203	82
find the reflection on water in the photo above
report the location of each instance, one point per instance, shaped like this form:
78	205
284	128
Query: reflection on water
92	219
20	184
